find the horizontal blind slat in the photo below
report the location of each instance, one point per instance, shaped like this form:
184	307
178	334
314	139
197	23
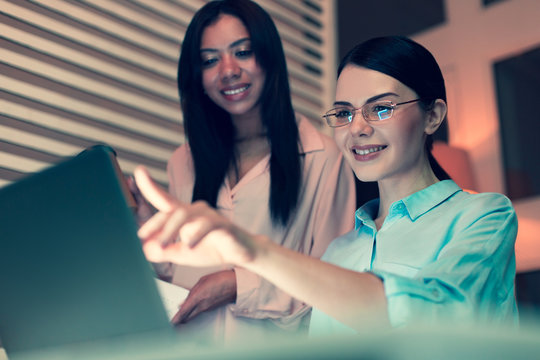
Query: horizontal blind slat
88	84
157	64
156	85
90	133
85	109
129	34
180	11
156	22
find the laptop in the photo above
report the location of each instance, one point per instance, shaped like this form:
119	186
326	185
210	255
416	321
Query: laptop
72	270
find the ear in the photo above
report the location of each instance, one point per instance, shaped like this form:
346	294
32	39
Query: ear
435	116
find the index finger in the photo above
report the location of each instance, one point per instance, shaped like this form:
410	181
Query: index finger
151	191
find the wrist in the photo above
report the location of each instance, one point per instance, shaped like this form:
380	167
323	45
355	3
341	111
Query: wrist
262	250
263	246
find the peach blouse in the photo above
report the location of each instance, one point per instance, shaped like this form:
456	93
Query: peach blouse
325	211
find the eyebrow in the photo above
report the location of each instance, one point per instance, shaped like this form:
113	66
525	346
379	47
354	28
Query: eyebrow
371	99
231	45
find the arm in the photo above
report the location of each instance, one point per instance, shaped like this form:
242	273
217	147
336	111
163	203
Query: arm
258	298
356	299
208	239
325	212
211	291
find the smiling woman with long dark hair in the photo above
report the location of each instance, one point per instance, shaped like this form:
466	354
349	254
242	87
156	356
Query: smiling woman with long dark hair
249	156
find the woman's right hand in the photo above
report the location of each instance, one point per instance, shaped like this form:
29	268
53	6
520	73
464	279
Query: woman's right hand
191	234
211	291
143	210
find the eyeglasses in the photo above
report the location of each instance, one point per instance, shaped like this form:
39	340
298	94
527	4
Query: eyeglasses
372	112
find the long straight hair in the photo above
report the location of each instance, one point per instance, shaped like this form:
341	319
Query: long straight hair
209	129
410	63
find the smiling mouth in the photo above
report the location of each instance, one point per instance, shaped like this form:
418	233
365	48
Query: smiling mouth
235	91
368	151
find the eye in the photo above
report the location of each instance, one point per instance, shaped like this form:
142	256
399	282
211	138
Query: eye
208	61
378	108
243	53
343	113
380	111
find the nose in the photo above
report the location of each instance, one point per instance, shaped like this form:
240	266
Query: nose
360	126
229	68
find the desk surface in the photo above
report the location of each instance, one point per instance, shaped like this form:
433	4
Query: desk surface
403	344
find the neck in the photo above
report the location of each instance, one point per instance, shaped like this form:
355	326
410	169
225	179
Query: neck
248	125
250	137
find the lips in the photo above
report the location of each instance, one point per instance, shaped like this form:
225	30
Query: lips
367	152
235	91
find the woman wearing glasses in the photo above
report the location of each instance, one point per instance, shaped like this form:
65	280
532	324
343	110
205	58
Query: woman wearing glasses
425	251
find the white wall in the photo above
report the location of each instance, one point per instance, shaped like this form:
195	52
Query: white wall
74	73
466	47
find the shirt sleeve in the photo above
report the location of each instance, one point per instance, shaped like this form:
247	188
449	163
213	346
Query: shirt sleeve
472	278
257	298
334	216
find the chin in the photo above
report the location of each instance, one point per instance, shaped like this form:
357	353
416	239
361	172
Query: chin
366	180
239	110
364	177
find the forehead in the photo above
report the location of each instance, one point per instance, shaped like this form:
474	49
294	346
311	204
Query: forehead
356	84
224	31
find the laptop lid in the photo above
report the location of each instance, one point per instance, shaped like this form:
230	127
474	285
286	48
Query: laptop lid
71	264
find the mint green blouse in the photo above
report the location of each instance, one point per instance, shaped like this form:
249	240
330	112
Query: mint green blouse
444	255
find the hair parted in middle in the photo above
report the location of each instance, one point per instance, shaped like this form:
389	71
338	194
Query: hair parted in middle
209	129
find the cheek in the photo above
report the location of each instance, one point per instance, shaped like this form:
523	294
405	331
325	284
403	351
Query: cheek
409	139
340	137
208	77
410	128
260	75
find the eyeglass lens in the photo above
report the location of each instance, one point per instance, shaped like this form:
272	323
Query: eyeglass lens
372	112
378	111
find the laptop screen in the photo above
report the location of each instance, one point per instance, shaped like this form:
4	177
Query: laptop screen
71	264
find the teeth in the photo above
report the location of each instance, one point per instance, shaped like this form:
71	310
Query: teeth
367	151
235	91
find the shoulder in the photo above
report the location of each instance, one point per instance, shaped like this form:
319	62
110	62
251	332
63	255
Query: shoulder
180	163
181	173
483	210
313	141
180	156
483	202
448	196
445	205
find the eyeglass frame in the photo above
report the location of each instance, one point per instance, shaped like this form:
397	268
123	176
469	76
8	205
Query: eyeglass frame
390	102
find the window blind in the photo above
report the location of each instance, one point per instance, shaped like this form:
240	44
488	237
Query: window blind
77	73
